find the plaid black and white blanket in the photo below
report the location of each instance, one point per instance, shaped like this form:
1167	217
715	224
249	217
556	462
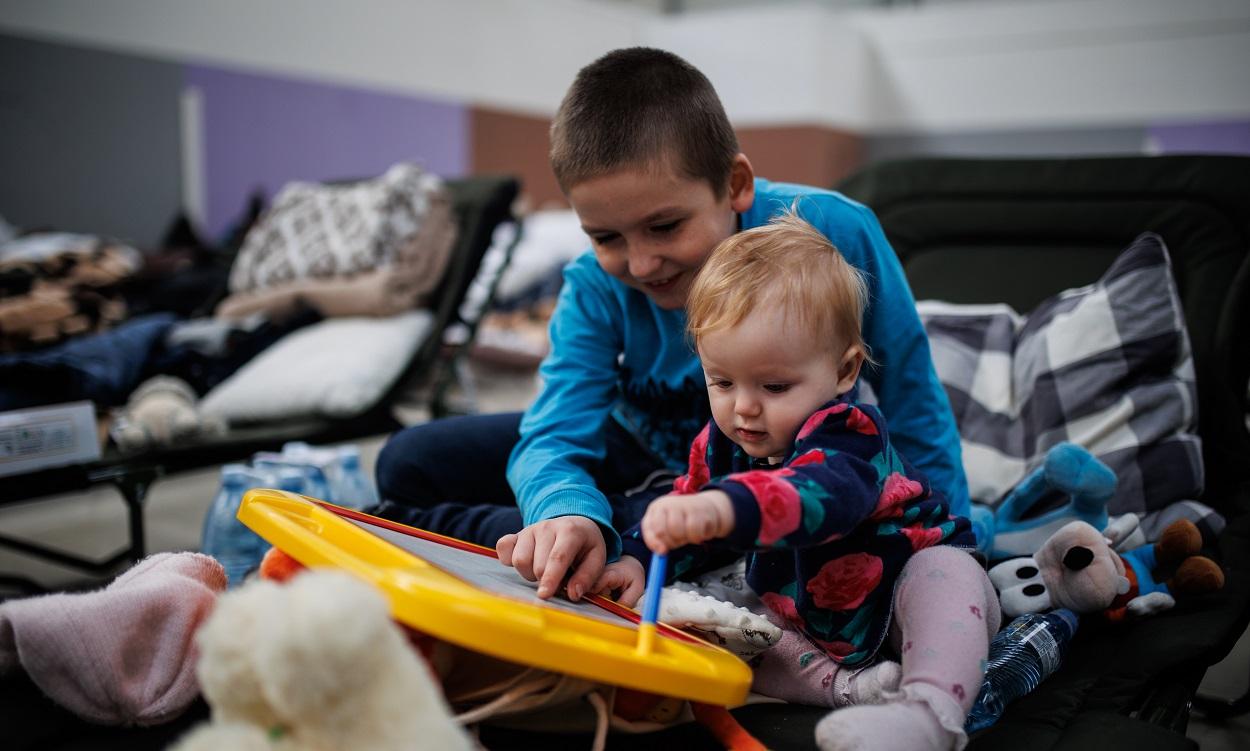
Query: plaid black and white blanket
1107	366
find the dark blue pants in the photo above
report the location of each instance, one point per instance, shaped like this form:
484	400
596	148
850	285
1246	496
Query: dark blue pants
448	476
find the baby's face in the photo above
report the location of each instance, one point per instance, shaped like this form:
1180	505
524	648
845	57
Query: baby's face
765	379
652	227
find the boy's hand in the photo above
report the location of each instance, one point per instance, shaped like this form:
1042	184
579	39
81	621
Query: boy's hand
675	520
545	551
624	576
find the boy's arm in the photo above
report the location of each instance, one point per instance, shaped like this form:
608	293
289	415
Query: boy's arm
561	434
911	397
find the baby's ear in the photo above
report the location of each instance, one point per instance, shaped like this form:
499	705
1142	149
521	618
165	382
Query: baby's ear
849	367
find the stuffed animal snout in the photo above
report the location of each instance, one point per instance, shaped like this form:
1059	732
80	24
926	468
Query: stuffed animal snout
1077	558
1080	570
1075	569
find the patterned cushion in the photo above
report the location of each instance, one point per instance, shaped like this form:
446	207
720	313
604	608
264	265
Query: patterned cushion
1107	366
401	219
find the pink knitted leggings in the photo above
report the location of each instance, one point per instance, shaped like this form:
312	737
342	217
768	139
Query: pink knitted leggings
945	612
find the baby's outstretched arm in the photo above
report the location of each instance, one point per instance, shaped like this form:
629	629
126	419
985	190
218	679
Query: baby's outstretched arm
672	521
548	550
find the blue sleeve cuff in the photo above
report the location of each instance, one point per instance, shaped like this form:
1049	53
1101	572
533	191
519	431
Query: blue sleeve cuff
576	501
632	544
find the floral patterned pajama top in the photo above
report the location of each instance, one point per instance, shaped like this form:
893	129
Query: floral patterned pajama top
828	530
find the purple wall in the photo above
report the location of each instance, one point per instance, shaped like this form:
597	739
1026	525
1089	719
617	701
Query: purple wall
262	131
1201	138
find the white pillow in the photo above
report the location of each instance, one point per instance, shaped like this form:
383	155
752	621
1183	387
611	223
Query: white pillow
337	368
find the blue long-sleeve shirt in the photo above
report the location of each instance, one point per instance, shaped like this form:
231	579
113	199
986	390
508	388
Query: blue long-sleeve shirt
615	355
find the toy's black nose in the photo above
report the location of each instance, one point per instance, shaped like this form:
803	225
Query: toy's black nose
1077	558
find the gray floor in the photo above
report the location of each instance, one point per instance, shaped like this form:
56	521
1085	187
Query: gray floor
94	524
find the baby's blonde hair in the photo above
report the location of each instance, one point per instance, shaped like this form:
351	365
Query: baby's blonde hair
786	262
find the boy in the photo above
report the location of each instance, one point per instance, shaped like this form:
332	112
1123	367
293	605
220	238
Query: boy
643	150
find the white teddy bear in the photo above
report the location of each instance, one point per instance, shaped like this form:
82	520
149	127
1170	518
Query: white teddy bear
315	664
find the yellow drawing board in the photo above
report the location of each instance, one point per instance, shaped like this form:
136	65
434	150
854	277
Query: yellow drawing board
459	592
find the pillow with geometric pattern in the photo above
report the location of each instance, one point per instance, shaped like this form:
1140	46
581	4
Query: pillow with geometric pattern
1107	366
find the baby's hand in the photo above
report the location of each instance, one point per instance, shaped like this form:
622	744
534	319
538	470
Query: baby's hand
675	520
625	577
545	551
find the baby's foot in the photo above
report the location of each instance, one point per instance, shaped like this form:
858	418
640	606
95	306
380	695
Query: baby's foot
922	718
866	686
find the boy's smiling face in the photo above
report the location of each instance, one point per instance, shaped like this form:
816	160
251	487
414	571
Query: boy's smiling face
652	227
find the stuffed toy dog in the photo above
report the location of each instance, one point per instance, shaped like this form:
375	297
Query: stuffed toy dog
1078	568
1004	532
315	664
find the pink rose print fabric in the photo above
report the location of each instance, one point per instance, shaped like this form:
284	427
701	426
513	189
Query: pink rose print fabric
698	475
861	423
922	537
813	456
784	607
818	419
897	492
780	507
843	583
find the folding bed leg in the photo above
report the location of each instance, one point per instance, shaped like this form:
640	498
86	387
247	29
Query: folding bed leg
133	483
1167	703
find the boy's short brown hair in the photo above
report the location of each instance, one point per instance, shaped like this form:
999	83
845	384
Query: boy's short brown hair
787	263
636	107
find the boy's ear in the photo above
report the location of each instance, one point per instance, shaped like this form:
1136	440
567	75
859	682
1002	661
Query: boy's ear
848	368
741	184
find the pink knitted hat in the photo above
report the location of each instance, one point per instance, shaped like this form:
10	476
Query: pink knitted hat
124	654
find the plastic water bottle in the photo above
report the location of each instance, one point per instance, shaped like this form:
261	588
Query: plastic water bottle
355	489
315	484
225	538
292	479
325	459
1021	656
297	449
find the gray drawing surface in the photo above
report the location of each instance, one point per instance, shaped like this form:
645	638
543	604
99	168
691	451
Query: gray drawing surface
486	573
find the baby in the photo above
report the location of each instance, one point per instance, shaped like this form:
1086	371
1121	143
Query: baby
845	541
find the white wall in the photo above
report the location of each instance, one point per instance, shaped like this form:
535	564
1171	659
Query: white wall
776	65
933	68
1071	63
515	54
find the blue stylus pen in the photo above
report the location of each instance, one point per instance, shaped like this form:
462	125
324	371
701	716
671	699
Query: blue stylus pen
651	604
